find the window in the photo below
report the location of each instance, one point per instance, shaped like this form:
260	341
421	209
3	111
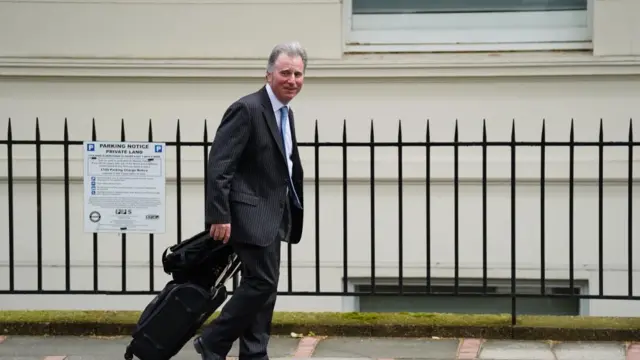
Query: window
467	25
465	304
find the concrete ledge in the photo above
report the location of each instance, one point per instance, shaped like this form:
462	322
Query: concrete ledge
349	66
560	328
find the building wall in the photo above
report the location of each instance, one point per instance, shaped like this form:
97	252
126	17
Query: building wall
166	61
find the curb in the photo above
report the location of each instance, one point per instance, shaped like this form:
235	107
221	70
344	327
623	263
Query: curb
356	330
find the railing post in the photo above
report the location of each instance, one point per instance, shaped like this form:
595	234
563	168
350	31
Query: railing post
39	203
513	223
571	201
94	137
456	212
372	201
10	210
151	235
205	161
67	225
124	235
428	203
484	207
345	272
400	215
601	210
178	184
630	208
542	209
316	187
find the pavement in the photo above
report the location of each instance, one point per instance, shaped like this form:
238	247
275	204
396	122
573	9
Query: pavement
333	348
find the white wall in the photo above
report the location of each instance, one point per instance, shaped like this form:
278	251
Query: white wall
163	28
528	100
89	68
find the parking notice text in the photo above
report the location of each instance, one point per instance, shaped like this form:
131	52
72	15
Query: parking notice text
124	187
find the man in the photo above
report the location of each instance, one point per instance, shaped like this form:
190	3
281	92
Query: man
254	202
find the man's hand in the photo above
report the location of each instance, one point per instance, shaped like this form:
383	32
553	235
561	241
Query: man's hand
220	232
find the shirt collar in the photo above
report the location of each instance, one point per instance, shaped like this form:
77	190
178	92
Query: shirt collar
277	104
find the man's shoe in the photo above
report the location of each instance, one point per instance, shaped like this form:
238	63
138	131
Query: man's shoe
202	349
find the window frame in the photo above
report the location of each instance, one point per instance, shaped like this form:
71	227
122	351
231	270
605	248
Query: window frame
495	285
526	31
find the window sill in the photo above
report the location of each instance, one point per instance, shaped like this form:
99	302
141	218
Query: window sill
488	64
497	64
364	47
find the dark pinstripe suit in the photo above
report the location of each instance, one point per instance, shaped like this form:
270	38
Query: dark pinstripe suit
247	187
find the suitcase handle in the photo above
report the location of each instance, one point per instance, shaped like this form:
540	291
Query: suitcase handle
232	267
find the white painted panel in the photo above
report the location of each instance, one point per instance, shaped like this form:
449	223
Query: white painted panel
613	29
167	29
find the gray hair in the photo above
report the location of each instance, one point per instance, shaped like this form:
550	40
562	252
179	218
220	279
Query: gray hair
293	49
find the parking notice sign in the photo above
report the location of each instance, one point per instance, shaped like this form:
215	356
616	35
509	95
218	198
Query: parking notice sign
124	187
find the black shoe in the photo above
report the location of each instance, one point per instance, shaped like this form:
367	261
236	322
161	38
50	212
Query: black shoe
202	349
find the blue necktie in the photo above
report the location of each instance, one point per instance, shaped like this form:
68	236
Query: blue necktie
284	124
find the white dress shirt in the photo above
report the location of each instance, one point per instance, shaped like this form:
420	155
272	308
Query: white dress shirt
277	104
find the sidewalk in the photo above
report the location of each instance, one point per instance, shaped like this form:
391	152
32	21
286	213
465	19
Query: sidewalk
334	348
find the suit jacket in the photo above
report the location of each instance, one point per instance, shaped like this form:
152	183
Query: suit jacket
248	174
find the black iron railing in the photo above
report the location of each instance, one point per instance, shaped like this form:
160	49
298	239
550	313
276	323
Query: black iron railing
427	289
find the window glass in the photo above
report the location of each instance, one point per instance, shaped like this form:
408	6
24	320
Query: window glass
457	6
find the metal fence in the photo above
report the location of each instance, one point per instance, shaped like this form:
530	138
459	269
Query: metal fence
427	289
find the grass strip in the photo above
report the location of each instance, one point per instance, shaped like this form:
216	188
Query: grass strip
561	328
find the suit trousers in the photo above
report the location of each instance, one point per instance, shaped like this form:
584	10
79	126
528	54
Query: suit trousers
248	313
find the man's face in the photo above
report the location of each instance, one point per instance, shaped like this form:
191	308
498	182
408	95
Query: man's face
287	77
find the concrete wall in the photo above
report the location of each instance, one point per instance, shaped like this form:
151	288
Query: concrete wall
167	61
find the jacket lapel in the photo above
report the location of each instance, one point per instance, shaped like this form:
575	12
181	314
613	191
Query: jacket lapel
270	118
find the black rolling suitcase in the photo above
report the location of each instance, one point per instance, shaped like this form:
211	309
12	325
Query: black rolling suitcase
199	267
